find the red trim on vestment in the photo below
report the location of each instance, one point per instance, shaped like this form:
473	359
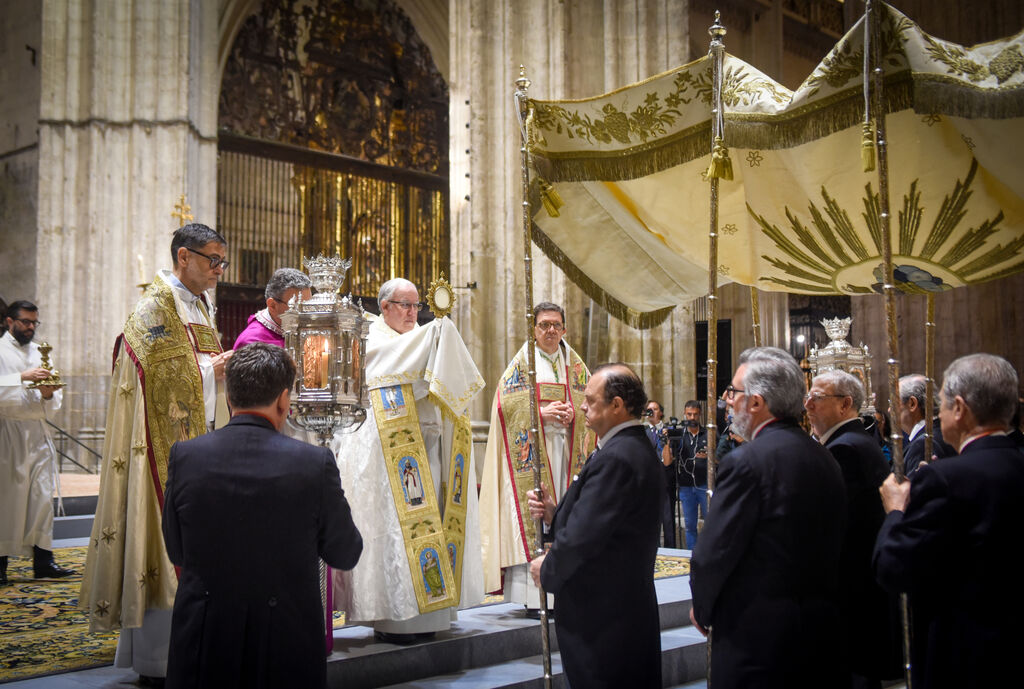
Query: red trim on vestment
154	473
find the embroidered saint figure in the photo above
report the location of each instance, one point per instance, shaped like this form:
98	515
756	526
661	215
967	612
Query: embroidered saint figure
411	484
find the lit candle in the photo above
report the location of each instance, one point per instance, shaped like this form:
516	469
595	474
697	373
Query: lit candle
324	358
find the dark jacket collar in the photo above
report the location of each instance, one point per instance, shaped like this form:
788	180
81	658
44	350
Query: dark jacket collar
990	442
244	419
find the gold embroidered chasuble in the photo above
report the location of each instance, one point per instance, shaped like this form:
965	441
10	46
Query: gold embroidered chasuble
507	531
156	399
409	474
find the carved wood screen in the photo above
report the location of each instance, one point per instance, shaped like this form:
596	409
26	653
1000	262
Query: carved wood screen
333	138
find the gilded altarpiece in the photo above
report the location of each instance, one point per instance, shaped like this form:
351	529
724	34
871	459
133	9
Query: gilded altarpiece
333	139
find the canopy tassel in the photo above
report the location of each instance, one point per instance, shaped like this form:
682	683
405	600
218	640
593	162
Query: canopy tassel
867	147
721	165
550	197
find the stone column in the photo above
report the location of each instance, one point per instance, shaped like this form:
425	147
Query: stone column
569	50
127	125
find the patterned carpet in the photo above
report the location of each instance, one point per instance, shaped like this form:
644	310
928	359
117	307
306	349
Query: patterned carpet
42	632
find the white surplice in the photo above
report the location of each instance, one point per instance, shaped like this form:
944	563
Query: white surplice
27	457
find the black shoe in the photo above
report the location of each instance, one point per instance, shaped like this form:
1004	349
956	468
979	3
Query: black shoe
147	681
43	566
3	570
51	570
402	639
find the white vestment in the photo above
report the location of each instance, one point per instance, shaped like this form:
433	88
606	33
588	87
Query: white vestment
27	458
379	591
517	585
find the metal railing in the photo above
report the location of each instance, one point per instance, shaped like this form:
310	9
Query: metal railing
62	437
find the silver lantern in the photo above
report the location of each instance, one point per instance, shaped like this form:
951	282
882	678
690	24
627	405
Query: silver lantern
326	336
840	354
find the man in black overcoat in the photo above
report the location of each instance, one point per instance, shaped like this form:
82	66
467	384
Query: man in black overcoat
605	539
951	536
247	513
870	616
912	392
764	572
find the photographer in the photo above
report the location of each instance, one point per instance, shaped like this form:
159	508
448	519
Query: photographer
657	433
692	471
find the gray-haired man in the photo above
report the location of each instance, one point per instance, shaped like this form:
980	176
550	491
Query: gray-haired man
265	324
967	629
764	572
872	642
912	421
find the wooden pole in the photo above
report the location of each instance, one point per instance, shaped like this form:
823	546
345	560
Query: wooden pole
522	111
872	39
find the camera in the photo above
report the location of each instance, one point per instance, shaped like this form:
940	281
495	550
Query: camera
648	412
673	429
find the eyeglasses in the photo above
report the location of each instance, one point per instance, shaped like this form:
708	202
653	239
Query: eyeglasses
214	260
818	396
27	322
416	305
730	391
549	325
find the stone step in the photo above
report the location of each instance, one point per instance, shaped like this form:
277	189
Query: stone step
78	505
682	652
497	646
72	526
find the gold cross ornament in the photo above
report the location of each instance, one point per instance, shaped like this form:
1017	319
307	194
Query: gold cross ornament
183	212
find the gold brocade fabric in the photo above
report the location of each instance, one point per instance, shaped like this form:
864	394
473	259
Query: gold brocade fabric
434	548
508	533
156	399
800	214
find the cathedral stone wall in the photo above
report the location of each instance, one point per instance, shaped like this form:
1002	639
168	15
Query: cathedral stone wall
20	33
126	125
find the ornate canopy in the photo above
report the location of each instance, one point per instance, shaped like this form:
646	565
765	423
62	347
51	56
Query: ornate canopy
800	215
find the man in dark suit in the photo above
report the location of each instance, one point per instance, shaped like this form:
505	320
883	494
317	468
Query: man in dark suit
912	391
605	539
968	508
658	435
247	512
870	616
764	572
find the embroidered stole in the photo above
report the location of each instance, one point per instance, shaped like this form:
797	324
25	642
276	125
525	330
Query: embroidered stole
169	377
434	548
514	416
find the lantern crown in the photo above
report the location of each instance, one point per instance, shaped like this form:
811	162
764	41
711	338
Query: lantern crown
327	273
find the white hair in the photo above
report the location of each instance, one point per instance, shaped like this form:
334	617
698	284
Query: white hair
988	385
845	384
774	374
389	287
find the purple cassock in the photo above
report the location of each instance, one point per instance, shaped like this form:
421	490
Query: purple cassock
261	328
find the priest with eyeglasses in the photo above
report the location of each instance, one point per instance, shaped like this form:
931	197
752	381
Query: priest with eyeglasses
166	386
408	471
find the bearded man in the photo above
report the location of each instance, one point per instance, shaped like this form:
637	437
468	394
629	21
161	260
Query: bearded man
28	461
